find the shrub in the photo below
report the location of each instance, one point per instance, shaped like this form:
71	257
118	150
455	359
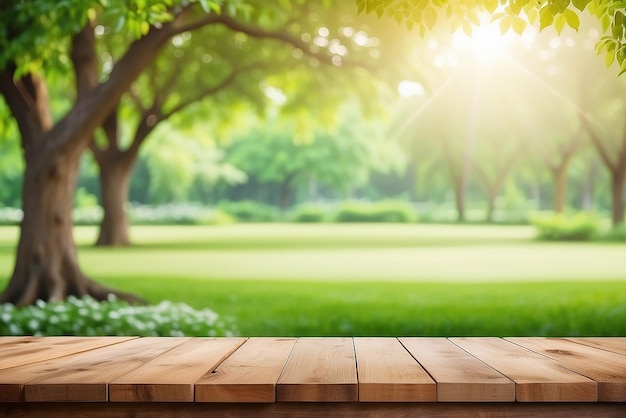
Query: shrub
394	211
250	211
86	316
386	211
615	234
559	227
310	213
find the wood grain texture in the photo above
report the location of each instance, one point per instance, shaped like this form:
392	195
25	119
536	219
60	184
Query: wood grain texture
537	378
388	373
17	351
319	370
249	375
605	367
170	377
614	344
460	377
85	376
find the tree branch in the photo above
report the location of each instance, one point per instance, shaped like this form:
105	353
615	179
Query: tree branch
27	99
597	142
260	33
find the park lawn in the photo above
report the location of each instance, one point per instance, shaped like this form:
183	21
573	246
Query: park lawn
298	280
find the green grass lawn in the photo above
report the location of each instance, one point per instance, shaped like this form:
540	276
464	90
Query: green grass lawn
282	279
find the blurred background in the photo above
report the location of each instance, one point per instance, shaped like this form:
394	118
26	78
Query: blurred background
322	172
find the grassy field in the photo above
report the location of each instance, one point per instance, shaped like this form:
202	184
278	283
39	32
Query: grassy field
281	279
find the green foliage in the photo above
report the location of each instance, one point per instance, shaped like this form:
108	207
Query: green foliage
88	317
614	234
386	211
249	211
561	227
310	213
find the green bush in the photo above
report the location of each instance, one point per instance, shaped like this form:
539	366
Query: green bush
385	211
310	213
86	316
394	211
560	227
615	234
250	211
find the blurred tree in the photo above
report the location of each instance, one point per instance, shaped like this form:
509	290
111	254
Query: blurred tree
339	159
227	63
41	38
35	40
604	119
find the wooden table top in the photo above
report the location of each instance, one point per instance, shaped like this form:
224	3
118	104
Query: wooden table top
275	370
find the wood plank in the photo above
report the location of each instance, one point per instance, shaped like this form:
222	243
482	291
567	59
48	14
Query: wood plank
614	344
85	376
249	375
319	370
171	376
605	367
17	351
388	373
537	378
460	377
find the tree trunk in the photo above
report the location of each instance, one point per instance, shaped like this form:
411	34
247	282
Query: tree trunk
492	194
459	198
560	187
114	183
285	194
46	264
617	195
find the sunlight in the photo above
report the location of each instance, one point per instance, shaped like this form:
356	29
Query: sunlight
485	42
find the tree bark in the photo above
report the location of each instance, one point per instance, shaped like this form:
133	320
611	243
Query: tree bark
114	184
459	197
618	179
560	187
46	264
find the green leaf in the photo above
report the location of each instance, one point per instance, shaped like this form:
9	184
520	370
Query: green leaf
622	68
491	5
609	58
430	17
580	4
559	23
572	19
473	18
497	16
546	17
519	25
467	28
532	15
505	24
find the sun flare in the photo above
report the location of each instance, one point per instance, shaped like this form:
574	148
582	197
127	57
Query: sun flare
486	42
